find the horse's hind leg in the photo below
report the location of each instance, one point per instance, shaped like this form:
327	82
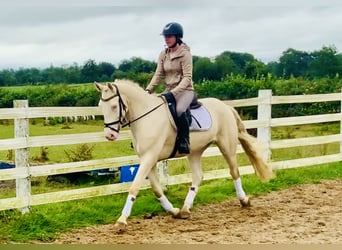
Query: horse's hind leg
197	175
234	172
229	153
158	191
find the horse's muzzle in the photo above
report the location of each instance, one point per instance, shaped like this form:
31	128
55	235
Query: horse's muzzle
110	135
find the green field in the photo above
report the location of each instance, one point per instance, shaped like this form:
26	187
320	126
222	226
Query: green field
57	154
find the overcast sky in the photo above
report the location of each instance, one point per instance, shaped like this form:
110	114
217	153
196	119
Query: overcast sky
38	33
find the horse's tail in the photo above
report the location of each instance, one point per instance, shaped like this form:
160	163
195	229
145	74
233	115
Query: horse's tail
248	143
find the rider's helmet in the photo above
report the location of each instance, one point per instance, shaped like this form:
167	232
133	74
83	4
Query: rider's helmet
173	29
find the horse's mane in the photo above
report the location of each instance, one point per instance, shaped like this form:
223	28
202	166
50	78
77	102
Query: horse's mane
125	82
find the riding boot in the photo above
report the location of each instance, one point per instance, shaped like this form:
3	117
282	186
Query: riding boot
183	134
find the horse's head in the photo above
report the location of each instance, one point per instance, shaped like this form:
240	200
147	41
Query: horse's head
113	109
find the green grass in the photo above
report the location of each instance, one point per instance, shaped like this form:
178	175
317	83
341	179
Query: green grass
56	154
46	221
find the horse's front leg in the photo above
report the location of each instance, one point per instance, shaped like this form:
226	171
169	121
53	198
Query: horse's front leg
158	191
143	170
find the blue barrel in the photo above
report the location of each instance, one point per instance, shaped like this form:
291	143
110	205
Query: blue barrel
128	172
5	165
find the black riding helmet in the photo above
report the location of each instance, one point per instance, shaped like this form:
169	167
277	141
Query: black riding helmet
173	29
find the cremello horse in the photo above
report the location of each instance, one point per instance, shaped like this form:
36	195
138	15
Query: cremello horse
126	103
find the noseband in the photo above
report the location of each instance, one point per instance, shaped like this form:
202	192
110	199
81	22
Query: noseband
122	108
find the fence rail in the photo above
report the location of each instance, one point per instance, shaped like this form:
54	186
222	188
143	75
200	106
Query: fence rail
22	172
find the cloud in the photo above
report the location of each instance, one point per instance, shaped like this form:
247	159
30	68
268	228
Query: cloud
63	32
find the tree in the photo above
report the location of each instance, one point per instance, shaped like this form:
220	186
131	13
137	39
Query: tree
204	69
90	71
137	65
7	77
27	76
255	69
325	62
106	71
72	74
225	65
294	63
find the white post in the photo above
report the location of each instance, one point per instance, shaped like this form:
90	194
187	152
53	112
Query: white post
341	124
162	169
21	129
265	114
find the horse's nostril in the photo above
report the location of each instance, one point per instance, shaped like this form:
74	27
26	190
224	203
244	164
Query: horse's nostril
110	137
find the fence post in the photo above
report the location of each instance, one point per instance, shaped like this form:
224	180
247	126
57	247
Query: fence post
265	114
162	168
21	129
341	123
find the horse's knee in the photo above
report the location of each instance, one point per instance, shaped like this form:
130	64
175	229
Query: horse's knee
133	191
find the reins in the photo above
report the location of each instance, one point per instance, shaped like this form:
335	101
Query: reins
138	118
123	107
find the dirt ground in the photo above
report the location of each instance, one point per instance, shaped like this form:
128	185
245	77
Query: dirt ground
310	213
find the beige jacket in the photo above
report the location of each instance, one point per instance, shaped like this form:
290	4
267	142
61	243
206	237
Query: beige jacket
175	72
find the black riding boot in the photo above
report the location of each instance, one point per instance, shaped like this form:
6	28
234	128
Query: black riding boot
183	134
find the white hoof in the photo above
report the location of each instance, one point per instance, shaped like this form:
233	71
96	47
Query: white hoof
121	224
175	212
120	227
184	213
246	202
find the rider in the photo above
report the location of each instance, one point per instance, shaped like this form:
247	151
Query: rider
175	68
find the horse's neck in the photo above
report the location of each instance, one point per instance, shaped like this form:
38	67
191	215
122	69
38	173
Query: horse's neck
138	101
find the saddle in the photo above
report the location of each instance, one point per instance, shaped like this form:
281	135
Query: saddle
197	115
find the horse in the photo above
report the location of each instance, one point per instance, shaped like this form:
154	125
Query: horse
125	103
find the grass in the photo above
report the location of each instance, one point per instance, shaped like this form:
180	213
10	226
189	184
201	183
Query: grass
56	154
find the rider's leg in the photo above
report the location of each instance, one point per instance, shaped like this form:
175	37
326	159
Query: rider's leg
183	101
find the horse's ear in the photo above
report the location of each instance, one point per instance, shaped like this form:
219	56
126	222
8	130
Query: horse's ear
110	86
98	86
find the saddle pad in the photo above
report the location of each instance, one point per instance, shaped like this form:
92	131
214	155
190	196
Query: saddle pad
201	119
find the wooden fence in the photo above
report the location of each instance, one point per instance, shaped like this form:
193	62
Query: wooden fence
23	173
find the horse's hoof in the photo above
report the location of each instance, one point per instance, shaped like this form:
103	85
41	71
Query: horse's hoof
120	227
245	202
184	213
175	212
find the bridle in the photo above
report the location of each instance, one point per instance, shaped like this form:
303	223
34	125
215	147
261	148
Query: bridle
123	108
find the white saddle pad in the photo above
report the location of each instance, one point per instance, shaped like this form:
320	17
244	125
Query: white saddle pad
201	119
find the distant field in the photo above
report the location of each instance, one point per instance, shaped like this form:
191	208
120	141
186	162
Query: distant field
122	148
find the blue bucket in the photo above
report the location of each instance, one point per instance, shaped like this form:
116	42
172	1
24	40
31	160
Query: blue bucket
4	165
128	172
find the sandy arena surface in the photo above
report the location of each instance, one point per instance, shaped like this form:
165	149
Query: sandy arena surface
310	213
